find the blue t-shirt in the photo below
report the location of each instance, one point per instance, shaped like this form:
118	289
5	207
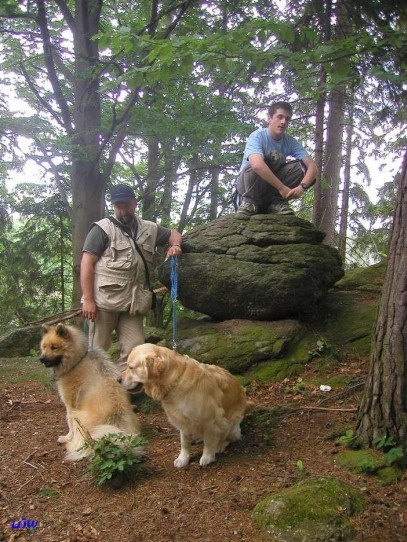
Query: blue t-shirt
261	142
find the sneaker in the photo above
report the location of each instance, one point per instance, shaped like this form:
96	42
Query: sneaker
247	208
280	208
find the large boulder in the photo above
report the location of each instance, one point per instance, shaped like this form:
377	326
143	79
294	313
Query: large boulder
264	267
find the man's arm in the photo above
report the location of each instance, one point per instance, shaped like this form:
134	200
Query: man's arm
261	169
88	263
174	241
310	176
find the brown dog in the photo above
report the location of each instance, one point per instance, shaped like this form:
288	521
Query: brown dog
202	401
87	384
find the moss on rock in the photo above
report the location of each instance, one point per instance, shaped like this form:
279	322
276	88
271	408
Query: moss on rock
370	462
314	510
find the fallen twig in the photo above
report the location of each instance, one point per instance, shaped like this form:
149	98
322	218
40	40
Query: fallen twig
30	464
331	409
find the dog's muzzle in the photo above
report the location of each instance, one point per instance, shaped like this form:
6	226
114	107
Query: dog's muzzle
51	361
137	388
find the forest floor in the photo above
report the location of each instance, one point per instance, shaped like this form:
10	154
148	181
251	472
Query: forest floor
164	504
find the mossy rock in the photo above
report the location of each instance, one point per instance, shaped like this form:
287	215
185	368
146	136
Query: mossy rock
371	462
361	461
20	342
315	510
352	321
237	345
364	279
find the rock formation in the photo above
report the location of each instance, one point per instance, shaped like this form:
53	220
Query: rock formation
264	267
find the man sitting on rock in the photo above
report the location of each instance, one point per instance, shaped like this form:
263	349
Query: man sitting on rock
266	181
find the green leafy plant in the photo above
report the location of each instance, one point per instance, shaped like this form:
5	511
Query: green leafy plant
298	387
300	468
348	439
114	455
393	453
323	348
384	442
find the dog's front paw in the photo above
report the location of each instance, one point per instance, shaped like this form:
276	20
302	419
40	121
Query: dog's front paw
64	439
206	460
181	461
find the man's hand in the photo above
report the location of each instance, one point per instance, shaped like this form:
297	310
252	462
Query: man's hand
295	193
89	310
174	250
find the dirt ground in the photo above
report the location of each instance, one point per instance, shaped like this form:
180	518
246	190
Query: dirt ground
194	504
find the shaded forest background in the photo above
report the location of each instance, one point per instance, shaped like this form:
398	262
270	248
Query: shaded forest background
162	95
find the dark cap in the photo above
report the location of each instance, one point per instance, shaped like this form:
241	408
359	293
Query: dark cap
122	193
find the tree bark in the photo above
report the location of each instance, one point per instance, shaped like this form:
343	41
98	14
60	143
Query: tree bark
325	213
87	188
383	410
343	225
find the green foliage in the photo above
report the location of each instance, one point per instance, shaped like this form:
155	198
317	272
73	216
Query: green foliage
393	454
324	348
113	455
36	258
348	439
300	468
298	387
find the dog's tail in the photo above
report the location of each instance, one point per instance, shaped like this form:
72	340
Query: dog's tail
76	449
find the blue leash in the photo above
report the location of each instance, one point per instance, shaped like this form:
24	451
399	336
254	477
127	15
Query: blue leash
174	294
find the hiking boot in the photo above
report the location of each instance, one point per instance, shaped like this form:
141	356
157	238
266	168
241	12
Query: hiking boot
247	208
280	208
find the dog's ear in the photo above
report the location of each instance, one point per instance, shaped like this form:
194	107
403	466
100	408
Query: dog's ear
155	364
62	331
45	328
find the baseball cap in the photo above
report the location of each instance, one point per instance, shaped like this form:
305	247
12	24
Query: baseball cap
122	193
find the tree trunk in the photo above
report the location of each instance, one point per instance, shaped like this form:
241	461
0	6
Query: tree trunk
326	213
383	410
153	163
213	209
343	226
87	186
326	221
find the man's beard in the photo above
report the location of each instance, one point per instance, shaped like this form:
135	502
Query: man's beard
128	219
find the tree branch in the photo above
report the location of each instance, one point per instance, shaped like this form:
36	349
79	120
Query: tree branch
50	66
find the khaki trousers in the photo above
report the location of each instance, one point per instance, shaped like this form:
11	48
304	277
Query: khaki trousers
129	329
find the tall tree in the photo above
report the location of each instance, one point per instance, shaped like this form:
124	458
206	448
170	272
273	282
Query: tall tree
69	85
383	410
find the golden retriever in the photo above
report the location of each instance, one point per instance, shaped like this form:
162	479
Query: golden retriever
87	384
203	402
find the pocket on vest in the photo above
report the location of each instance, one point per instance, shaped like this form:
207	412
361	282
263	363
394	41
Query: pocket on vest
121	255
141	301
112	294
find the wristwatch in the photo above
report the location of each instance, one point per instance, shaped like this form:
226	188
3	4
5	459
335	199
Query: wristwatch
304	186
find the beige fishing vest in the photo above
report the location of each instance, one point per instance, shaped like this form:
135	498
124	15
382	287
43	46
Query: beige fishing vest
120	276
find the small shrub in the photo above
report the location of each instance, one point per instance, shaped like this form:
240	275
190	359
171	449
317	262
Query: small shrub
393	454
348	439
300	468
114	456
323	349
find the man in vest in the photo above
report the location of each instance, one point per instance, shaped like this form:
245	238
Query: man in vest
114	272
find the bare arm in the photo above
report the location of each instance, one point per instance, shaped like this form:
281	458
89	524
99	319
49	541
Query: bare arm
174	241
309	177
88	263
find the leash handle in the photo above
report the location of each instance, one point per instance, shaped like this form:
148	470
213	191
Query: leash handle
174	294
